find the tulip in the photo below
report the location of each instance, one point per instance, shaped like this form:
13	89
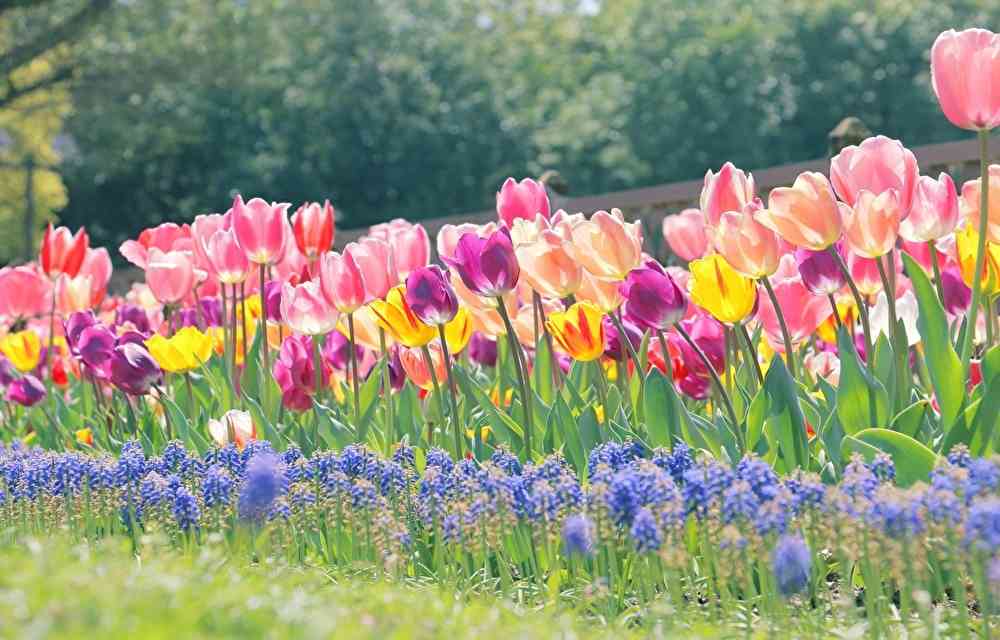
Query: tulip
235	427
306	310
823	365
295	373
709	336
967	242
614	347
721	290
97	267
202	229
182	352
133	370
134	316
483	350
7	374
579	331
806	214
746	244
526	231
487	266
94	346
872	226
547	266
459	331
965	67
864	273
802	310
449	235
227	258
606	294
905	309
84	437
408	242
342	281
970	206
417	370
375	259
524	199
165	237
313	229
728	190
685	234
26	391
396	317
955	294
73	294
934	212
24	293
336	351
430	295
652	299
820	272
878	165
260	229
170	275
62	252
525	321
75	324
606	245
23	349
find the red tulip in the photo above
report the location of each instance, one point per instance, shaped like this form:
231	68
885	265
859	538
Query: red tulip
63	252
313	227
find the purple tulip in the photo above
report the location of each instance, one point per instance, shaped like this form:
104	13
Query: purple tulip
272	300
6	372
134	315
397	375
133	337
957	295
186	317
614	348
337	351
75	325
211	311
483	350
487	266
95	344
819	270
652	299
295	373
430	294
26	391
133	369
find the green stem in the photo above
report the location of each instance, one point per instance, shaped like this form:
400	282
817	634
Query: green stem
785	335
712	372
977	280
355	376
437	392
522	374
387	386
751	352
858	299
936	267
265	348
890	299
452	391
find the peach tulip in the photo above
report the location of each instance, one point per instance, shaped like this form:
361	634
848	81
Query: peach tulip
746	244
378	266
227	259
606	245
965	74
306	310
341	280
934	212
728	190
685	234
879	164
806	214
606	294
170	275
872	225
415	365
260	229
969	204
547	266
524	321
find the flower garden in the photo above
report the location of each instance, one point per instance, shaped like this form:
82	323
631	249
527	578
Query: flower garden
790	429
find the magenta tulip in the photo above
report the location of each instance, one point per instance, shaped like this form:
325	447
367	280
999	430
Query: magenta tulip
652	299
430	295
525	199
487	266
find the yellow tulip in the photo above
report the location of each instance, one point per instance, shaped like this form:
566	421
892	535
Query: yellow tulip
579	331
399	321
967	243
85	437
458	331
184	351
23	349
827	332
721	290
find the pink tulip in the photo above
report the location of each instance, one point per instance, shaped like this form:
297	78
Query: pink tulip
864	272
410	246
24	292
728	190
448	236
877	165
969	204
806	214
341	280
965	73
685	234
227	259
306	310
804	311
377	263
165	237
202	230
73	294
170	275
524	199
313	228
934	212
97	266
872	225
260	229
746	244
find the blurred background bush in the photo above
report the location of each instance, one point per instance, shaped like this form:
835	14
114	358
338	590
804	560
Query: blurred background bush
118	114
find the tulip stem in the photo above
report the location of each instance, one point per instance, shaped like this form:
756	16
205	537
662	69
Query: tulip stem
191	401
354	371
712	372
624	339
751	351
890	297
318	364
452	391
50	387
265	348
858	300
246	331
387	387
977	279
557	372
522	374
235	378
785	335
437	392
936	266
836	312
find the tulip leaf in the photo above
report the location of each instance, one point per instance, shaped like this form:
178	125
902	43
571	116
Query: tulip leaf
943	363
333	432
985	423
884	364
566	425
862	401
543	370
914	461
755	419
500	422
785	425
665	414
908	420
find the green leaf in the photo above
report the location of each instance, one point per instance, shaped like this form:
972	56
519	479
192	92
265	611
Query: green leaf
914	462
858	392
985	423
942	362
502	424
785	425
908	420
665	414
543	382
755	419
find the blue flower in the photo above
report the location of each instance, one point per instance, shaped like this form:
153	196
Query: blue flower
263	483
982	529
185	508
645	533
792	564
578	535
